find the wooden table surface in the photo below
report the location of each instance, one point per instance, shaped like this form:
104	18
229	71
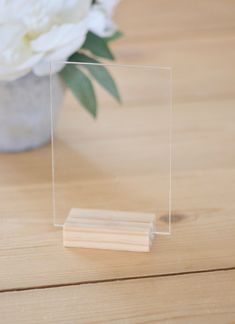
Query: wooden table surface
189	277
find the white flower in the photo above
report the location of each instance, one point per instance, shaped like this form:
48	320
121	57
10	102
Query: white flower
33	32
100	18
108	5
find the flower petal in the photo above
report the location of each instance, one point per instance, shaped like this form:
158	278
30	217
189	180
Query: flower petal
12	72
100	22
108	5
44	67
61	53
74	10
59	36
10	35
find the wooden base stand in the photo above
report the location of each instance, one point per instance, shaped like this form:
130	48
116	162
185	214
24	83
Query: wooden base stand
113	230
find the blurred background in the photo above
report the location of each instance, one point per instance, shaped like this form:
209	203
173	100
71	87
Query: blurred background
194	37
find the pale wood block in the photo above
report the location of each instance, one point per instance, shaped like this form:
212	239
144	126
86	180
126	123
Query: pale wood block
112	230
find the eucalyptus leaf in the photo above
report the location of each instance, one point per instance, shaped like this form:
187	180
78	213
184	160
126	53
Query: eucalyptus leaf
118	34
81	87
99	72
97	46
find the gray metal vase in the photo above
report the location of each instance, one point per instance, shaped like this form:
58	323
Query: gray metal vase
25	117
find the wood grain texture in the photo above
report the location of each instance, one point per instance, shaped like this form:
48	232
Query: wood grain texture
175	19
205	62
197	298
109	230
196	38
203	209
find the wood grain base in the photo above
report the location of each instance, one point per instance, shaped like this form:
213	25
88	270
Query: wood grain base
112	230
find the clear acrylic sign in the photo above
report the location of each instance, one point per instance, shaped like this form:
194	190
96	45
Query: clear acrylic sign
119	160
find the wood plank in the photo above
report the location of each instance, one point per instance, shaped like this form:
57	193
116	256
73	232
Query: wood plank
31	251
198	298
164	19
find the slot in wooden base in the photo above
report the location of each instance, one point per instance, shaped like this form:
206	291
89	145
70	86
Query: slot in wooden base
113	230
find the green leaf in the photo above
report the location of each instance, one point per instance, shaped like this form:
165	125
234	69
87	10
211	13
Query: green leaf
81	87
118	34
97	46
99	72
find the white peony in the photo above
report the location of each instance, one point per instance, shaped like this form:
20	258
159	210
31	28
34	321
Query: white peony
34	32
100	17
